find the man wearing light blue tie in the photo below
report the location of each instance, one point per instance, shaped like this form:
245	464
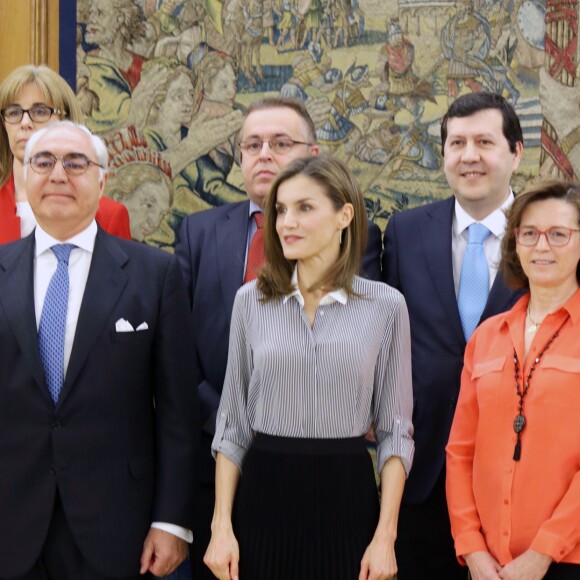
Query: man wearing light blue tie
97	407
443	257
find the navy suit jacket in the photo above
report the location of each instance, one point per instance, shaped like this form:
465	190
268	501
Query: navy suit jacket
119	444
417	260
211	250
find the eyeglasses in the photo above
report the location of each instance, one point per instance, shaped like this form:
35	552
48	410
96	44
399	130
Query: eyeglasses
73	163
37	113
557	236
278	145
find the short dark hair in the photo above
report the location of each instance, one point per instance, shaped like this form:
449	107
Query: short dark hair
471	103
341	188
278	102
539	190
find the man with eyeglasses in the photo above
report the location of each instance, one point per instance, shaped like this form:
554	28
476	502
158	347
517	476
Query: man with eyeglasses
444	258
33	97
97	414
219	250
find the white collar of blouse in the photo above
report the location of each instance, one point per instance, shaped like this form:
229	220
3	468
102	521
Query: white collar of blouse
338	295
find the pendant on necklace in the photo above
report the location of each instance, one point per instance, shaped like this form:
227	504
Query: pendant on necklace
519	423
533	327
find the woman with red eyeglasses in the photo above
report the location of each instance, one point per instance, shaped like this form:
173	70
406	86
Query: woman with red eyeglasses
513	457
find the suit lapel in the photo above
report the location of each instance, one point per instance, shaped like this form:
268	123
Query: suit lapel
232	236
17	299
500	299
105	284
436	232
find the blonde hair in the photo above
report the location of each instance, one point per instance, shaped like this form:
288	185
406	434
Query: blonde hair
55	91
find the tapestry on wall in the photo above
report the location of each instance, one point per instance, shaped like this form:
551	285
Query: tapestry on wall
165	82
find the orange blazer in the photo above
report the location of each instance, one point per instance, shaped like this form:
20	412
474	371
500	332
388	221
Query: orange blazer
112	216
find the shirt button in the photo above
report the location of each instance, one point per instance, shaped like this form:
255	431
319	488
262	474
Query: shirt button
505	533
322	313
508	470
52	470
506	501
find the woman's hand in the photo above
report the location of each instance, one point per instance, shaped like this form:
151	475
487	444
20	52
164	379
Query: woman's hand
379	562
482	566
530	565
223	554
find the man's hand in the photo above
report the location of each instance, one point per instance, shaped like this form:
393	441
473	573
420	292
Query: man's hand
483	566
530	565
162	553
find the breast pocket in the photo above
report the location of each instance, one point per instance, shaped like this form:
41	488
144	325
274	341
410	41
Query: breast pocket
135	337
487	376
563	388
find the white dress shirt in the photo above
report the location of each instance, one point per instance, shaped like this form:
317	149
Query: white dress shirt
27	219
495	222
45	264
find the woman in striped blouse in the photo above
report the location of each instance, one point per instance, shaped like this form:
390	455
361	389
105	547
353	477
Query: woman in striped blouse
317	355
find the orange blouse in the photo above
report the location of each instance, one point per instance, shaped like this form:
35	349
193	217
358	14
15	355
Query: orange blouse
497	504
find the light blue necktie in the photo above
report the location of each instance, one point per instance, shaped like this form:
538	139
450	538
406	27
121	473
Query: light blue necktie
474	280
53	322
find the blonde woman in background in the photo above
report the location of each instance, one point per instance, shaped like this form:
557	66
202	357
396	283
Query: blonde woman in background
31	98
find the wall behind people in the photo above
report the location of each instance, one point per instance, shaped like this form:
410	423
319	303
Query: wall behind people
29	34
376	77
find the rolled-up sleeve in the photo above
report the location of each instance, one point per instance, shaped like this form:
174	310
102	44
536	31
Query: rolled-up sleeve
233	434
393	391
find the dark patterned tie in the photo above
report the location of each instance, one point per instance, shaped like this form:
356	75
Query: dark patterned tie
53	322
256	256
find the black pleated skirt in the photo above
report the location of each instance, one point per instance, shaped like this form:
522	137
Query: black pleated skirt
305	509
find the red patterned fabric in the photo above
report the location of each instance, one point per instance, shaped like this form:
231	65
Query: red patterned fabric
256	256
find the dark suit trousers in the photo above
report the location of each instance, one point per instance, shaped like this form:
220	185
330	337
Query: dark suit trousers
424	546
60	558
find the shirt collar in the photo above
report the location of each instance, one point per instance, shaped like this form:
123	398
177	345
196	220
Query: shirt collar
572	307
495	222
254	207
84	240
338	295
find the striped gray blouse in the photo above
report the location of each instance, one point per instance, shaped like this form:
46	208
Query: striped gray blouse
352	368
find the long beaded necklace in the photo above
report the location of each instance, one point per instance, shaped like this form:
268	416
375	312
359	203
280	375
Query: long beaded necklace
520	420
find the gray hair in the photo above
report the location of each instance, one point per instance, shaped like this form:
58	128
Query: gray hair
99	147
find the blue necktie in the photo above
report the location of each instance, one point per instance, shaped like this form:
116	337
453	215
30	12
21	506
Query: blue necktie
474	280
53	322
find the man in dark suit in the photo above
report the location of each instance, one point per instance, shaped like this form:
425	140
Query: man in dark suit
482	145
97	410
213	250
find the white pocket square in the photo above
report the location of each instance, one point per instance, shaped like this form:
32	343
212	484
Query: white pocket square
142	326
123	325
